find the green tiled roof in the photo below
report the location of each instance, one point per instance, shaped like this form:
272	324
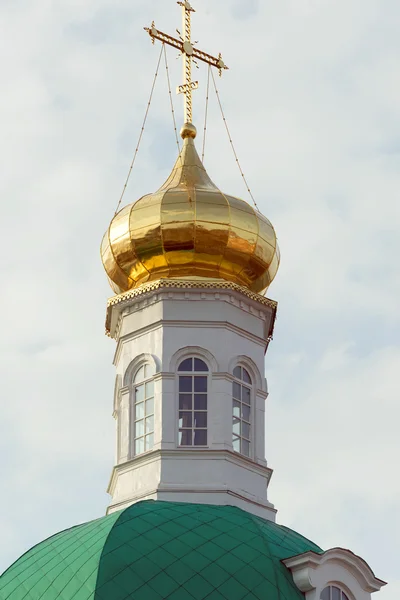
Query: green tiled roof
161	551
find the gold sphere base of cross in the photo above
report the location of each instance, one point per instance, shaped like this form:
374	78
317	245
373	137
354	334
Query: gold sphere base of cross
188	131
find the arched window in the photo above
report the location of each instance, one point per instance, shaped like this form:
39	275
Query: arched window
193	388
143	410
241	392
333	593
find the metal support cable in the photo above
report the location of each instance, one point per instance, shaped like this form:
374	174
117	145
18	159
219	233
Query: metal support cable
141	133
171	101
231	142
206	114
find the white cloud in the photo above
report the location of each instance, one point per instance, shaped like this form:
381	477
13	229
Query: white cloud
312	102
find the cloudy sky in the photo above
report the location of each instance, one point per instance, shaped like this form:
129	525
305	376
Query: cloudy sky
312	99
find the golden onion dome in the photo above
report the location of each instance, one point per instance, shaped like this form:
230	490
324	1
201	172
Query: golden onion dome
190	229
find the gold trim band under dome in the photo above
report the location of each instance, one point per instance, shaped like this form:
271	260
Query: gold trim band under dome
190	228
161	285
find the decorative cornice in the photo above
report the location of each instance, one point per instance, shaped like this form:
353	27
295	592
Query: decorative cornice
192	284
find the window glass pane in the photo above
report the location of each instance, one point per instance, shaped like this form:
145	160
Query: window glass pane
185	384
139	411
150	389
139	446
139	375
146	371
236	426
185	419
236	444
200	384
245	447
245	430
344	597
150	407
139	428
185	437
237	372
200	419
186	365
326	594
236	390
245	412
236	409
149	424
246	376
200	402
185	401
335	593
200	365
139	393
245	395
149	441
200	437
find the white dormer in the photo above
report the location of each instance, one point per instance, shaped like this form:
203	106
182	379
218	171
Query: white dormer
337	574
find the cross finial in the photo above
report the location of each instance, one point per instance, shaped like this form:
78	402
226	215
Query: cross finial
189	54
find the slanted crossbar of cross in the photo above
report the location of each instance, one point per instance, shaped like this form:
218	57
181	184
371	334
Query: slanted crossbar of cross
189	54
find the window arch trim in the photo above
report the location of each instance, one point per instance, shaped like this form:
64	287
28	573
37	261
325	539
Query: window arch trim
138	362
259	382
195	352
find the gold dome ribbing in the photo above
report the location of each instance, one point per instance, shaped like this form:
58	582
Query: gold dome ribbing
189	229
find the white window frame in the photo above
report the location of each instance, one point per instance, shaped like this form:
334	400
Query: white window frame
192	410
342	593
243	384
146	415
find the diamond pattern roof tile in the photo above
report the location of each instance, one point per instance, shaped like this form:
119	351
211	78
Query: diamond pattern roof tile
161	551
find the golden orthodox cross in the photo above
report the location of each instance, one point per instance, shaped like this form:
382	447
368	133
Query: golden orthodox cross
189	54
